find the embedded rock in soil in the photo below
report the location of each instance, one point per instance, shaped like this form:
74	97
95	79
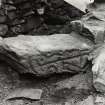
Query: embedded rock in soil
92	26
88	101
45	55
28	93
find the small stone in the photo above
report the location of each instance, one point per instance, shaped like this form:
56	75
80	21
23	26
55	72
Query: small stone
3	18
40	11
17	29
24	6
3	30
82	5
46	55
87	101
16	22
11	15
10	7
34	94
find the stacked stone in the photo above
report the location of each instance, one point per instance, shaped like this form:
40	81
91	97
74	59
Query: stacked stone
3	22
20	16
35	17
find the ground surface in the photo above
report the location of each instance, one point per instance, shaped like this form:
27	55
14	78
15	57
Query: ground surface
10	81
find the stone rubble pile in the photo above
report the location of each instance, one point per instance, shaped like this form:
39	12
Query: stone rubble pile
23	17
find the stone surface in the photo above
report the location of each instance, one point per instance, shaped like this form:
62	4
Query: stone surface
87	101
98	60
69	89
7	82
45	55
3	19
92	26
80	81
3	30
100	100
82	5
34	94
53	14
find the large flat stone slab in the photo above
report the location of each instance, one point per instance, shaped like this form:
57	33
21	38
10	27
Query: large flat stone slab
45	55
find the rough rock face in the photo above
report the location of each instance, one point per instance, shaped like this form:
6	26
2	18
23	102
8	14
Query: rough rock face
46	54
98	68
82	5
92	25
57	89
